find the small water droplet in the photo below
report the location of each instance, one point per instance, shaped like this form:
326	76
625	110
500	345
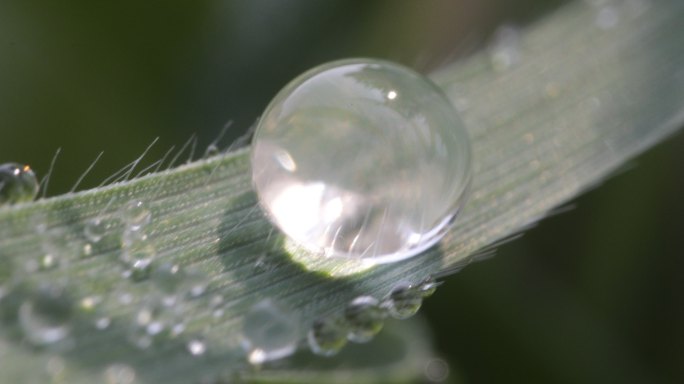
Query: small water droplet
404	301
18	184
196	347
130	255
95	229
136	215
365	319
327	336
45	317
428	287
361	159
212	150
119	374
141	269
270	332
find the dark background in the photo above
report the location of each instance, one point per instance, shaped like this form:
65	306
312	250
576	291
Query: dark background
595	295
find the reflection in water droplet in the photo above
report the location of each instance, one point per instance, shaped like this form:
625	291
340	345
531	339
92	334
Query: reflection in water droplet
119	374
361	159
270	332
365	319
18	184
45	316
327	336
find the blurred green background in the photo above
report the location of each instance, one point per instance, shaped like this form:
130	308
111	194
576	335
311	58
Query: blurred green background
594	295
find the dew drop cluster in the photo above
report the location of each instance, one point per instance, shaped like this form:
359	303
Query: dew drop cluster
364	317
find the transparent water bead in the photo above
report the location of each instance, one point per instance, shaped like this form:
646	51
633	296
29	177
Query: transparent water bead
361	158
365	319
18	183
270	332
327	336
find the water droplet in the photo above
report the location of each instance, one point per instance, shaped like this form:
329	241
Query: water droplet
212	150
428	287
143	251
45	317
136	215
361	158
175	282
365	319
140	269
404	301
196	347
504	50
119	374
270	332
327	336
18	184
95	229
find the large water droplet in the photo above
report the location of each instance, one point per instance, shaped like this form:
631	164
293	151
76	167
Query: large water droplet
45	317
327	336
361	158
270	332
17	183
365	319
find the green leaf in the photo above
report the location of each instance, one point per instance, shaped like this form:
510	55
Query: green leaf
584	98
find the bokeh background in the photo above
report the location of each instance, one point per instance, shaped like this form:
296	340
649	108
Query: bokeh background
593	295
